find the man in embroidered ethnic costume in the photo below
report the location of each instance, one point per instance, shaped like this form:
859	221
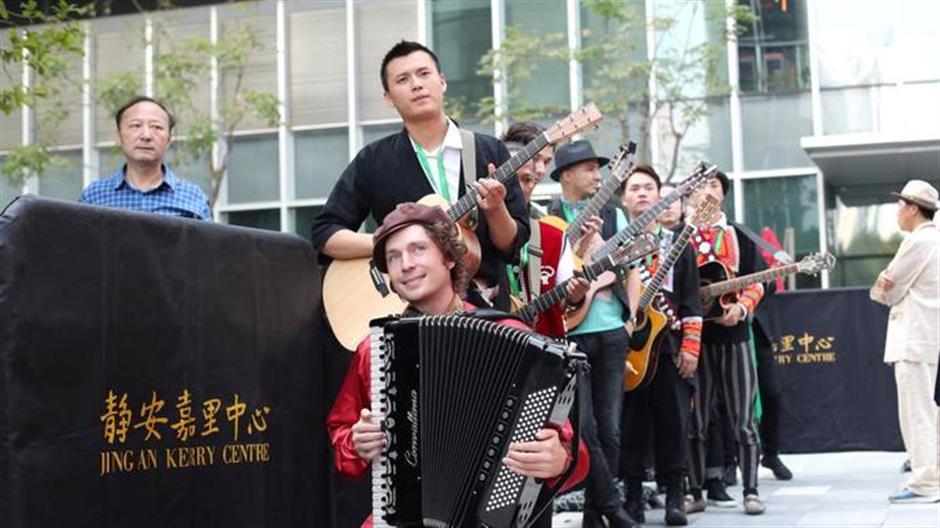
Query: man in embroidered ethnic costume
726	365
662	407
419	247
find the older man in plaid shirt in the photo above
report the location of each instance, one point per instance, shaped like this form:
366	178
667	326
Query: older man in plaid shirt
144	183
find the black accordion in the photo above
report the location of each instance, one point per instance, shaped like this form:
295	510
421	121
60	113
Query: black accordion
453	392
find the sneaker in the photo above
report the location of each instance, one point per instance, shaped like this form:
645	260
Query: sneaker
753	505
693	505
675	510
773	463
717	496
906	496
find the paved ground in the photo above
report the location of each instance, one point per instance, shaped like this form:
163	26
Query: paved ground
828	490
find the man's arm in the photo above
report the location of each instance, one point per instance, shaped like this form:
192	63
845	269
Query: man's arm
333	231
347	411
896	280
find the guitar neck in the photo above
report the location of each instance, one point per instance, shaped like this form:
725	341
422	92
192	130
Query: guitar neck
599	200
637	226
543	302
728	286
664	266
503	174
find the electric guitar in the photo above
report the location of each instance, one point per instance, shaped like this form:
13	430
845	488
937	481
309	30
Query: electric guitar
698	178
355	292
718	294
651	321
637	249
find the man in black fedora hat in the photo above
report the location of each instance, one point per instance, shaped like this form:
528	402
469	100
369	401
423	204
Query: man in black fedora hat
602	336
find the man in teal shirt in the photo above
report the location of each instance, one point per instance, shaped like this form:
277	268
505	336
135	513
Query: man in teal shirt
601	335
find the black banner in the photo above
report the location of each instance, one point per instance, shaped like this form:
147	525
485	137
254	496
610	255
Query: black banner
157	371
837	394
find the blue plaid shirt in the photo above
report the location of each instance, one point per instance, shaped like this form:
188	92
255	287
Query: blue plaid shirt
173	196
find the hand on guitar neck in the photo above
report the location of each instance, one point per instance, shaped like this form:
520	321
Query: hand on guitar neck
590	239
733	314
491	195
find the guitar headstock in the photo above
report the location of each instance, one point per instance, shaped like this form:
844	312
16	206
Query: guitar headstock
816	262
582	118
702	173
708	212
621	165
638	248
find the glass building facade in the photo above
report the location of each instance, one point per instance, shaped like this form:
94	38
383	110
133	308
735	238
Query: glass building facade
829	107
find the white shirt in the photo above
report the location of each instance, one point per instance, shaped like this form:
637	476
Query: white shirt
451	149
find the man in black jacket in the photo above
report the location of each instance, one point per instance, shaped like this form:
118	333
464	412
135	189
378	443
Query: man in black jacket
424	158
662	407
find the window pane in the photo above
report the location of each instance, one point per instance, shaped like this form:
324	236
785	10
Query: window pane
303	219
773	54
380	24
548	85
261	67
772	127
461	34
192	170
269	219
253	170
63	178
172	32
318	82
708	139
119	48
865	236
320	157
784	203
862	42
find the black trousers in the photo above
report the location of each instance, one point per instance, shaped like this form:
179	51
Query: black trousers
769	386
728	368
662	409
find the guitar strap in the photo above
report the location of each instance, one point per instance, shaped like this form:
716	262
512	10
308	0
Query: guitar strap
780	255
468	155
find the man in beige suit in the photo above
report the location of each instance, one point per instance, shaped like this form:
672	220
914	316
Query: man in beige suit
910	285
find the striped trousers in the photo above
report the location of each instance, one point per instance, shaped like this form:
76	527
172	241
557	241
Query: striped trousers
729	368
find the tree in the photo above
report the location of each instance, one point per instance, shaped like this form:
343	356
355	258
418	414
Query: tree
47	45
618	72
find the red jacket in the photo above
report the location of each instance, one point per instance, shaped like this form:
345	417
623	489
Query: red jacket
355	396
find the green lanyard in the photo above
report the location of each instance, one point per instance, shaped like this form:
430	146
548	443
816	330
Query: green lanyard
514	279
443	189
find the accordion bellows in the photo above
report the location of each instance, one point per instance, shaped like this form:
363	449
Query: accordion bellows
453	392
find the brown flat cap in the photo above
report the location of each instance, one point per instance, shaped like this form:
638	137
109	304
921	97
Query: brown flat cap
404	215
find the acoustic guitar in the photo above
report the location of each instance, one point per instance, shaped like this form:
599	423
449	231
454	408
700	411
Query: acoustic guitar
721	291
355	292
651	321
699	176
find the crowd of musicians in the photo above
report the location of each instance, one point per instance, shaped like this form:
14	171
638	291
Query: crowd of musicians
704	369
673	381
